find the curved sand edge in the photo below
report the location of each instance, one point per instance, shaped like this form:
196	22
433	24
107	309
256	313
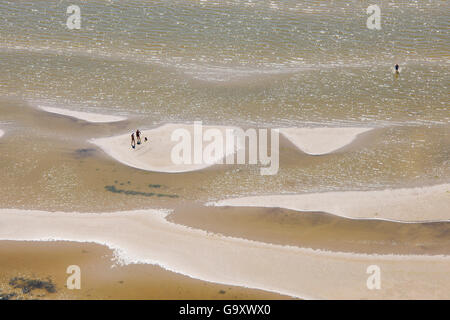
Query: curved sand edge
319	141
155	154
86	116
425	204
145	236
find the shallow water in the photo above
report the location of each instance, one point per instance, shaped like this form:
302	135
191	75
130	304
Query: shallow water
260	64
265	62
246	63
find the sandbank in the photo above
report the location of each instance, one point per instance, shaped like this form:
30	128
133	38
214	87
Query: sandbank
155	154
319	141
86	116
401	205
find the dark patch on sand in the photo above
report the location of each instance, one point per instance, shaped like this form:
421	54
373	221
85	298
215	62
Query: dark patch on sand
157	186
139	193
85	152
28	285
7	296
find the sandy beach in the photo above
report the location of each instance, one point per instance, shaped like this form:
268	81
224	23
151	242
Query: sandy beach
2	133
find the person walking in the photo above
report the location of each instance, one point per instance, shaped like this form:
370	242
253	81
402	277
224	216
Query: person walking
133	142
138	136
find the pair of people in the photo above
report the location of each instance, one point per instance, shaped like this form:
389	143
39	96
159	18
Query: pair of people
138	137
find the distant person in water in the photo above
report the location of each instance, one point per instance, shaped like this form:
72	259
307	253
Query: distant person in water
133	142
397	71
138	136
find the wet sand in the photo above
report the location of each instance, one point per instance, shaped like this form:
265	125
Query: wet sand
50	165
317	230
295	65
101	278
145	236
